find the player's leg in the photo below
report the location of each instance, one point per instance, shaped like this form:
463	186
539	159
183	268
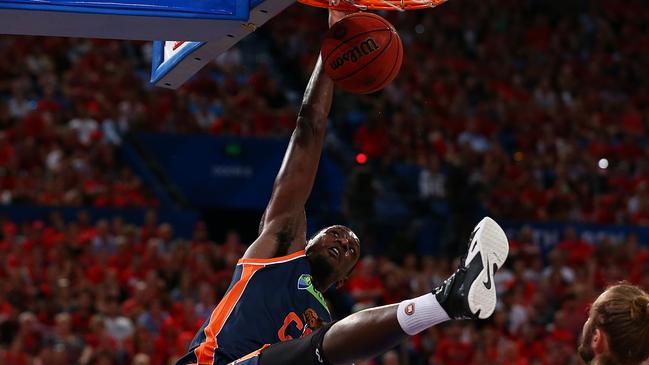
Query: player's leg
309	350
468	294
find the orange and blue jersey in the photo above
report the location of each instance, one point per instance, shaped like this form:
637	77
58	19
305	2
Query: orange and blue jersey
268	301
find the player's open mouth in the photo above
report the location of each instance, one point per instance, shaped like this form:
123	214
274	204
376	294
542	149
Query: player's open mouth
334	252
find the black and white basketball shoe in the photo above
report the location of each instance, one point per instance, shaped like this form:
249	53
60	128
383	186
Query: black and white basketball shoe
470	293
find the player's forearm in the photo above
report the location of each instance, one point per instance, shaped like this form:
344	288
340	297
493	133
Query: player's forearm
300	165
316	103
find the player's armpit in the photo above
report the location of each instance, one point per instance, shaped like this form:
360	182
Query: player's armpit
281	236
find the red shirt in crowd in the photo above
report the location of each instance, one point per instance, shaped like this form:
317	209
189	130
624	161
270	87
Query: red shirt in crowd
454	352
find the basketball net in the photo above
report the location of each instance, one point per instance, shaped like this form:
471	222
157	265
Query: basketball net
399	5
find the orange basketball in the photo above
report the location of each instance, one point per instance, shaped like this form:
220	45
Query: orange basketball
362	53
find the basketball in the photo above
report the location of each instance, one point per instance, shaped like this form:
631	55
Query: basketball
362	53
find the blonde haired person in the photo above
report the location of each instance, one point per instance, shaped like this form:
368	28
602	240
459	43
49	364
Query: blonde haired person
617	330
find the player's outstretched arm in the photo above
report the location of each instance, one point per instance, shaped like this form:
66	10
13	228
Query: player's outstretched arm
283	226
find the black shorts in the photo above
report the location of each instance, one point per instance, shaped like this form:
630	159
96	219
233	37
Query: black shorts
302	351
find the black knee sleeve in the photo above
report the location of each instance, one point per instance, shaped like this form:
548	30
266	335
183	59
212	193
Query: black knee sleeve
302	351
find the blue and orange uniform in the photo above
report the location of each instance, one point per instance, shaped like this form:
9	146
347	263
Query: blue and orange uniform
268	301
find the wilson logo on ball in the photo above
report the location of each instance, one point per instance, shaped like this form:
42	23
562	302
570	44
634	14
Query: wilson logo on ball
362	53
365	48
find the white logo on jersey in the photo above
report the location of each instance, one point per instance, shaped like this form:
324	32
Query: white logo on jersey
317	353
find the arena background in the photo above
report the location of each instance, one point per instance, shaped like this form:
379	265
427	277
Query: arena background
123	207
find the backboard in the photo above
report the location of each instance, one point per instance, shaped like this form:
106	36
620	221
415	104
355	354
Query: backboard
199	30
176	61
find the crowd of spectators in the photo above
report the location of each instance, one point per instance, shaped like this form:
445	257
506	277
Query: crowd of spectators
61	124
66	105
113	293
83	293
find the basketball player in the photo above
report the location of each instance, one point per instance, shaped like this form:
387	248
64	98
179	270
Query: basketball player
275	295
617	330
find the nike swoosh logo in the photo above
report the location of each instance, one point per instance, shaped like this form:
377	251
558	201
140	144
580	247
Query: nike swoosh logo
487	284
471	238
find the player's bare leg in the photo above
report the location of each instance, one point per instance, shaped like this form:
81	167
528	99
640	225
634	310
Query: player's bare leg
469	293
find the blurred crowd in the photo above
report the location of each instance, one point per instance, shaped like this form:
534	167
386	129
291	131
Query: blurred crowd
83	293
67	107
526	109
59	135
112	293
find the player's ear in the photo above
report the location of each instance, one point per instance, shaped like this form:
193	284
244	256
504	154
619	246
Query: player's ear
340	283
599	342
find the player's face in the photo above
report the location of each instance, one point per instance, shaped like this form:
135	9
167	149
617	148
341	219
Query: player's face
336	247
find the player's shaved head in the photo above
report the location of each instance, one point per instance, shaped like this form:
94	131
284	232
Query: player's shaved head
333	253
